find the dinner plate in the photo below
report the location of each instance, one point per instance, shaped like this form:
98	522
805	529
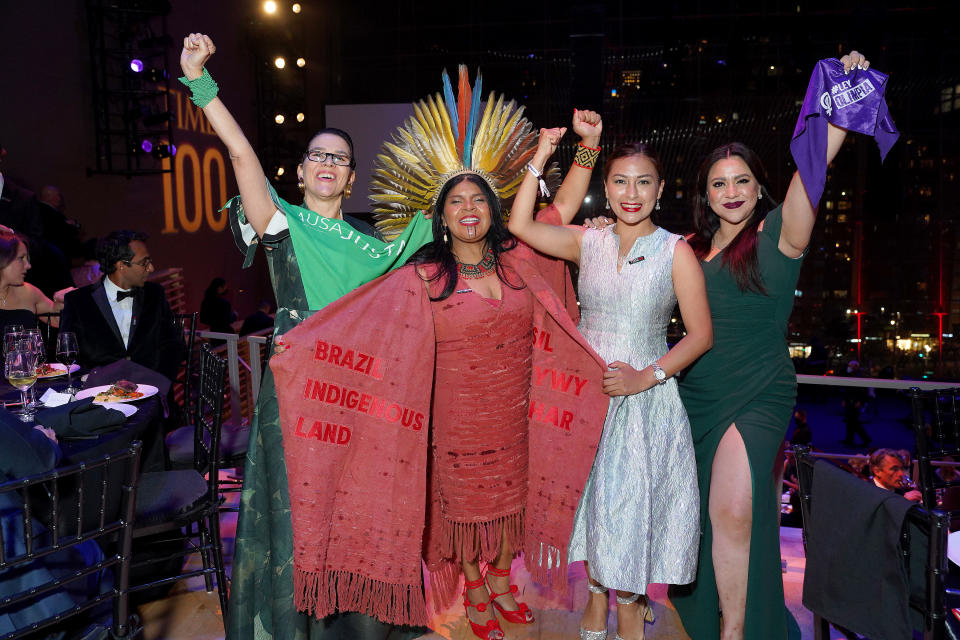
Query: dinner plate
953	547
146	389
126	409
60	370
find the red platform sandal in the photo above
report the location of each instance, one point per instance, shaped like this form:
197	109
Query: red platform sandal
522	615
489	631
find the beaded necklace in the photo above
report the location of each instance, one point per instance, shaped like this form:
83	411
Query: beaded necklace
480	270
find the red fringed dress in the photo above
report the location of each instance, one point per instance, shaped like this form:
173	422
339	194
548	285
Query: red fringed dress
480	425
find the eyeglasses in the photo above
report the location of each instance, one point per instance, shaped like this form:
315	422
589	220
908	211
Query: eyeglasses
144	263
336	158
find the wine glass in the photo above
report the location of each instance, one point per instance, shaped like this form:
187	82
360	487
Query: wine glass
35	342
20	368
67	354
11	334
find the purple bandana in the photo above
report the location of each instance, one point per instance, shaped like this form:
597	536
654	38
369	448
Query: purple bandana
853	101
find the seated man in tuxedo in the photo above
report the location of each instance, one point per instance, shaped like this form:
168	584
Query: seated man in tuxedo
123	316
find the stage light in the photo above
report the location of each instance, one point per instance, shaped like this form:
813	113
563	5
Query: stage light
270	6
279	171
279	119
136	65
280	63
301	62
163	150
155	75
300	117
147	146
296	7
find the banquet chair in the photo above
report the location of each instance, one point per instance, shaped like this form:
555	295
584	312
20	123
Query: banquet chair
187	322
185	503
936	430
922	548
51	519
49	325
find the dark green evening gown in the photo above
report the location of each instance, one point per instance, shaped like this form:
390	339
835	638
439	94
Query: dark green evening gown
261	595
747	378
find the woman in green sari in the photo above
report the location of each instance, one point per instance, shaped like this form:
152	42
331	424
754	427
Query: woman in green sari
338	253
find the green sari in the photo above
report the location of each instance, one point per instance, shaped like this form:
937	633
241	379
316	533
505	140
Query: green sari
336	258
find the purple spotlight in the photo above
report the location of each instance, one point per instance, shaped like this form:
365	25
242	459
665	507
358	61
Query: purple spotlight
147	146
173	150
136	65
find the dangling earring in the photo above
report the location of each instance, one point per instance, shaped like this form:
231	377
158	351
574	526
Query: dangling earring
347	191
608	205
445	239
657	206
300	184
760	195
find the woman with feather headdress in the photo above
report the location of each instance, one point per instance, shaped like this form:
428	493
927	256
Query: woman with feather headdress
475	341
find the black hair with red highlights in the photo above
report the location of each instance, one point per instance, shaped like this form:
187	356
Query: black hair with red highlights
740	256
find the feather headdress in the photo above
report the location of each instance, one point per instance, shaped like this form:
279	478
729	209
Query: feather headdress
447	137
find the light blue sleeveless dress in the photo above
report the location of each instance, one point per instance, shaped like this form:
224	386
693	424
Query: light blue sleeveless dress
638	519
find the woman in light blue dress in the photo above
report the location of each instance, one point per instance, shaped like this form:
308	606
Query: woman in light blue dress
637	522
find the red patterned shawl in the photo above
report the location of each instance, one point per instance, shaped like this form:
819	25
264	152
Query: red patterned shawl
354	394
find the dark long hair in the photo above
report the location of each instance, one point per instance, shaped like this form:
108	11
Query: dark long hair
740	256
213	289
439	253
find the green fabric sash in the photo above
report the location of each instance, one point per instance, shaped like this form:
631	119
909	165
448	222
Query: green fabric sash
335	258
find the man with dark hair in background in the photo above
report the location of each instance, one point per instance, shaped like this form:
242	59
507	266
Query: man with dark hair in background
123	316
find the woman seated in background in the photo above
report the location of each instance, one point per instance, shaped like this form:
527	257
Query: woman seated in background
215	310
20	301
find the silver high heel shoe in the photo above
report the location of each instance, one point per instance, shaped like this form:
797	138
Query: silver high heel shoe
647	613
586	634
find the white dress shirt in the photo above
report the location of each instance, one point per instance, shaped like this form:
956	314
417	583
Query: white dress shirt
122	311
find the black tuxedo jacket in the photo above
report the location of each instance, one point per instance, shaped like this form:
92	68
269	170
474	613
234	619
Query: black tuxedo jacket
156	341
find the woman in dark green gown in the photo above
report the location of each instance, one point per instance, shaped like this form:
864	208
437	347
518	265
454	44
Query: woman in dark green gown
320	240
740	395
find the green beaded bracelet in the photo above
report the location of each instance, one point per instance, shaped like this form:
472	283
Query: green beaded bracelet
203	89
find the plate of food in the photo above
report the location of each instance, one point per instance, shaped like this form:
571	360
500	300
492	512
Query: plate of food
119	391
55	369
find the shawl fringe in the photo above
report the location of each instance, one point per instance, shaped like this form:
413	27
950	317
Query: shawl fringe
472	540
322	593
547	565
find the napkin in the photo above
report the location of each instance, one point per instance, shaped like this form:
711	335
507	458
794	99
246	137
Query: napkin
53	398
81	419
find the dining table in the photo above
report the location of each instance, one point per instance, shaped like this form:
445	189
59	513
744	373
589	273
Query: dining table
145	425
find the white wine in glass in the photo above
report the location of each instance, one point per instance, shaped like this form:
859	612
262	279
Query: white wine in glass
20	368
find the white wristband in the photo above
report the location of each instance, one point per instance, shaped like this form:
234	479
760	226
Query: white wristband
539	176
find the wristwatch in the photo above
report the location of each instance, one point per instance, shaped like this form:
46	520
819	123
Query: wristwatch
659	373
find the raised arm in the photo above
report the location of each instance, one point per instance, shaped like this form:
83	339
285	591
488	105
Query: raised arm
691	292
799	215
560	242
587	125
257	205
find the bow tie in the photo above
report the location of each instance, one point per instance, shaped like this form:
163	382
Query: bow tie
132	293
